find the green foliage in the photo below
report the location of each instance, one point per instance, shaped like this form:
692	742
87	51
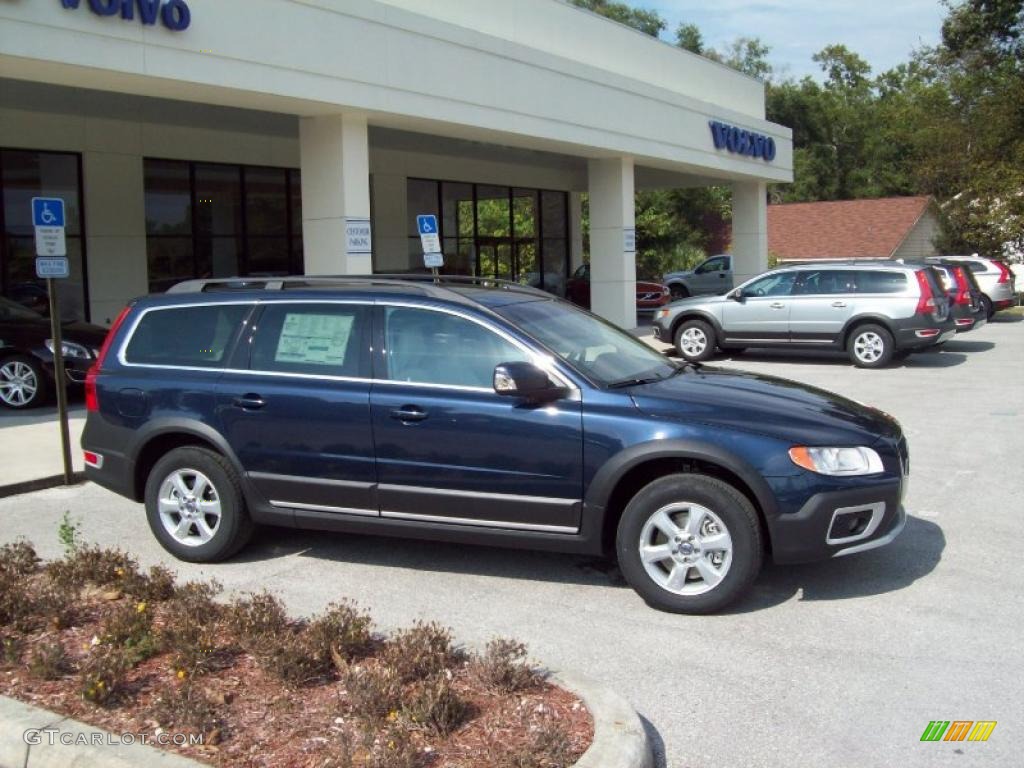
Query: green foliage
436	705
503	667
649	22
102	674
423	650
68	533
18	558
48	661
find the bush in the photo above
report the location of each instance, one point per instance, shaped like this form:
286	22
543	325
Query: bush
102	674
91	565
436	705
185	706
291	658
16	608
503	667
342	630
256	618
18	559
190	628
155	586
424	650
48	661
547	747
130	627
375	692
56	606
11	647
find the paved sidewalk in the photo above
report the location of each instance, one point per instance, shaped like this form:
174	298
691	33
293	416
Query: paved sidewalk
30	444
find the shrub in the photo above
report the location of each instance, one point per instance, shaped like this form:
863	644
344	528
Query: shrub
102	674
190	628
130	627
48	661
91	565
291	657
185	706
375	692
422	651
16	608
11	647
56	606
548	746
503	667
256	618
18	559
68	532
391	749
342	630
155	586
436	705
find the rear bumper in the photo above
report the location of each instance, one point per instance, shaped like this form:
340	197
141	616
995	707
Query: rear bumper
922	332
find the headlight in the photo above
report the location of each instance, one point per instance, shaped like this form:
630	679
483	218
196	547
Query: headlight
70	349
837	461
663	313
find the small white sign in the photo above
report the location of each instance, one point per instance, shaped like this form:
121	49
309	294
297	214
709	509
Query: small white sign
358	236
52	267
433	260
48	219
629	240
426	225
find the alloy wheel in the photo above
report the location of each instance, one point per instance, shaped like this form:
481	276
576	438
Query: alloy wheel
693	341
686	549
189	507
18	384
869	347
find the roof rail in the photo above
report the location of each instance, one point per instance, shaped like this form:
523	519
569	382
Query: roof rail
307	281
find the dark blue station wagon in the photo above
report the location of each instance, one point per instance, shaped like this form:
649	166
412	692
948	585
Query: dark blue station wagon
476	412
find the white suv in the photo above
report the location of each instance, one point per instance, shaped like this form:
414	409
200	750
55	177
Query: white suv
994	278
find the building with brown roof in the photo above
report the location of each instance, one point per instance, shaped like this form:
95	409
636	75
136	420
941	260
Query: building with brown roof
879	228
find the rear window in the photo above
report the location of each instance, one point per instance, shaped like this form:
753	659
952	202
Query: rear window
827	281
881	282
977	266
317	339
934	281
197	337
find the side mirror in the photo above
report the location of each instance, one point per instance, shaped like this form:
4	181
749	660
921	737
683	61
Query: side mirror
523	380
737	296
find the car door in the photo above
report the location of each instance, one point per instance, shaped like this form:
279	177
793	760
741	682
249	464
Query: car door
449	449
295	407
761	309
823	300
711	276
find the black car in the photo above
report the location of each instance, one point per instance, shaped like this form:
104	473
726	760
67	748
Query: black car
477	413
26	354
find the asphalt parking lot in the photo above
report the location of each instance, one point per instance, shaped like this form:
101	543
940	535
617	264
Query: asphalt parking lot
840	663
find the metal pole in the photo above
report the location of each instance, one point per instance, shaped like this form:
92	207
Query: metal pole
58	374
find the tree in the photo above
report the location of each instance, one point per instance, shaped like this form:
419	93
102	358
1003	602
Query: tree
689	38
648	22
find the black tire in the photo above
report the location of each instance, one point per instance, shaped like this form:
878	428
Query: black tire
234	528
870	346
23	368
678	291
687	339
988	307
732	509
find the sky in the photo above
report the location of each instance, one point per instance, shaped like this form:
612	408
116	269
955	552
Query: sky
883	32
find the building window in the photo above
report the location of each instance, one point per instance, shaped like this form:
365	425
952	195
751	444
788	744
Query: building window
24	174
217	220
508	233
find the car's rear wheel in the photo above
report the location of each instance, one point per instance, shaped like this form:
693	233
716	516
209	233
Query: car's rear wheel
195	506
987	307
695	340
870	346
689	543
678	291
22	382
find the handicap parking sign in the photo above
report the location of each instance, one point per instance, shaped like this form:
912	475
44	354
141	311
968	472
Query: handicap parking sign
47	212
429	239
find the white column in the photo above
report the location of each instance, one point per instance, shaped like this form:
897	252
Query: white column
612	268
335	161
749	229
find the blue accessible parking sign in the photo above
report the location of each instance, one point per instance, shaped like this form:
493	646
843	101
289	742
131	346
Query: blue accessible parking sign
47	212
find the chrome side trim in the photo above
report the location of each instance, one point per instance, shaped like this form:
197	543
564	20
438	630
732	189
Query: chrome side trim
877	513
472	522
323	508
481	495
314	480
879	542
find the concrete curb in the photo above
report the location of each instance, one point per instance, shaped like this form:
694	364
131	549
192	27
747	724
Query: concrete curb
620	740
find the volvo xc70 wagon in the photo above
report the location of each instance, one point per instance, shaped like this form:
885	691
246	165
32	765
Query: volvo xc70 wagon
476	412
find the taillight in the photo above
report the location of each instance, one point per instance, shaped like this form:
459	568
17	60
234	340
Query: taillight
963	289
1004	272
925	304
92	400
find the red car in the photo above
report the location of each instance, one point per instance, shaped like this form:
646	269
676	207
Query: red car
649	296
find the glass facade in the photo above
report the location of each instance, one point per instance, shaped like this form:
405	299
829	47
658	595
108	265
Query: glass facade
216	220
24	174
502	232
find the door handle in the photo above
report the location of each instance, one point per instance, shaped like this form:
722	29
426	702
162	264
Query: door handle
777	305
409	413
249	402
839	304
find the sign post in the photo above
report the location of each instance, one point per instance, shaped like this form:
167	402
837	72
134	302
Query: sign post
431	242
52	264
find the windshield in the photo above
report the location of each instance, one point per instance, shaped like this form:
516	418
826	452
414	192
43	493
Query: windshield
11	310
594	347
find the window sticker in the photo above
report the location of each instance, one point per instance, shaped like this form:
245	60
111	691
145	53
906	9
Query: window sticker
314	339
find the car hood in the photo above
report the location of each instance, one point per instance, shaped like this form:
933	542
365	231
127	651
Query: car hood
84	333
768	405
676	275
647	286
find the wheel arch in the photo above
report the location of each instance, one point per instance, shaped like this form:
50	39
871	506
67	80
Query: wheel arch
855	322
695	314
162	438
625	474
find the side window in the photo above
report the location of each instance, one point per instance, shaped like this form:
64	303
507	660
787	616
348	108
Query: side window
881	282
828	281
319	339
196	337
428	347
780	284
714	265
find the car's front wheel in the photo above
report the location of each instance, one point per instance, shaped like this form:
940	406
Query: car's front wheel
678	291
689	543
871	346
22	382
695	340
195	506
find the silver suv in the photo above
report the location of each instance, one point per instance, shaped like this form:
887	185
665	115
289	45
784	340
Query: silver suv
876	312
994	278
712	275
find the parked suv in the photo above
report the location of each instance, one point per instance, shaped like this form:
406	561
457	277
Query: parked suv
965	296
995	279
713	275
873	311
486	414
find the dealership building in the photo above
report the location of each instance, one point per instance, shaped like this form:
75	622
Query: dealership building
197	138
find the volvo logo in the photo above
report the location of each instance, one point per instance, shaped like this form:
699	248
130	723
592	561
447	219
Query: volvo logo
740	141
173	14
